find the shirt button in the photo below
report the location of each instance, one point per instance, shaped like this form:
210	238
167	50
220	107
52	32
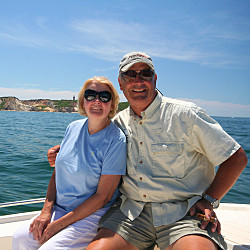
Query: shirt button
140	123
144	196
140	178
141	143
141	162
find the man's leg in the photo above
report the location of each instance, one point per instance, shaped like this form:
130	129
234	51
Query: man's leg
107	239
187	234
117	231
193	242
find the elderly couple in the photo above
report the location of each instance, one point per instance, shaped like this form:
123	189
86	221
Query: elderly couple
165	150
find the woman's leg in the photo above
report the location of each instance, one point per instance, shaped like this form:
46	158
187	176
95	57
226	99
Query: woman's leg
77	235
23	240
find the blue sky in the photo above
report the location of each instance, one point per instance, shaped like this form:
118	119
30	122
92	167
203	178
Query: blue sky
201	49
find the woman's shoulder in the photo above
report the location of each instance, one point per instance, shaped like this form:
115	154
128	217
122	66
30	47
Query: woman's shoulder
116	131
77	124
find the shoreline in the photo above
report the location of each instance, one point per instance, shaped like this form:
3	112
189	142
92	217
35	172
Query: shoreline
38	111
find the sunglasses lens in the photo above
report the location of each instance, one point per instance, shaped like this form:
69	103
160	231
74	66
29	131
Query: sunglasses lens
104	96
90	95
146	74
130	73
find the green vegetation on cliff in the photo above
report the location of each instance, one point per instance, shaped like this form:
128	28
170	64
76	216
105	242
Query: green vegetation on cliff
64	103
123	105
2	104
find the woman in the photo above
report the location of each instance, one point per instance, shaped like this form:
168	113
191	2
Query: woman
85	181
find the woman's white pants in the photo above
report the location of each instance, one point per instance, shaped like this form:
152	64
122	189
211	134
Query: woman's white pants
75	236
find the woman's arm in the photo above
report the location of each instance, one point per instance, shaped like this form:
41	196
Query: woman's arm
105	190
39	224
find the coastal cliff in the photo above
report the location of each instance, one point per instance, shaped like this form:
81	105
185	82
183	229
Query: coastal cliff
42	105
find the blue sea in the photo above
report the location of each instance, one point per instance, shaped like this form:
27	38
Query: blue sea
25	138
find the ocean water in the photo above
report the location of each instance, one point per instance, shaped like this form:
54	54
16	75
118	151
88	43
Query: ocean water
25	138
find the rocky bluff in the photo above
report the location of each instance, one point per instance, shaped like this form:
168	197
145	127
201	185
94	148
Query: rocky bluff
44	105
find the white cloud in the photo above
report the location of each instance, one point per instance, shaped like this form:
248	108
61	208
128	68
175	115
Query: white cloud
122	98
216	108
27	94
109	39
202	40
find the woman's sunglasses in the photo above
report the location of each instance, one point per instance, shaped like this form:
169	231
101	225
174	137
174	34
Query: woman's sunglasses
145	74
103	96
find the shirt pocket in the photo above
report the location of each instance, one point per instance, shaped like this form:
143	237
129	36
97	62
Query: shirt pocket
168	160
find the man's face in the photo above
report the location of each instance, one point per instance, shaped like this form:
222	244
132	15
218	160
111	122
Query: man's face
139	93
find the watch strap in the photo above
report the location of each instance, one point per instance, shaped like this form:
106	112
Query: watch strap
214	202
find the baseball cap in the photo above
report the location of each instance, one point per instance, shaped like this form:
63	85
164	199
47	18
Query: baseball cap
135	57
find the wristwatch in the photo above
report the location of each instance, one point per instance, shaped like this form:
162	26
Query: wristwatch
214	202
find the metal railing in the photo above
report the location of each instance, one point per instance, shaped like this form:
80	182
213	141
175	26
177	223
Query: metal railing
24	202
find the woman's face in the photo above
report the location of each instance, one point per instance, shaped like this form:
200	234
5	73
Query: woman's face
97	108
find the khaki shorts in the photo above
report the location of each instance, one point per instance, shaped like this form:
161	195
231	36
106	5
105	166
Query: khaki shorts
142	233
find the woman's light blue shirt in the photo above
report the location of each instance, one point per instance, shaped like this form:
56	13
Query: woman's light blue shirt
83	158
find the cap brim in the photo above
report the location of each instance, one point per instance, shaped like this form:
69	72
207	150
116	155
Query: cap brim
129	65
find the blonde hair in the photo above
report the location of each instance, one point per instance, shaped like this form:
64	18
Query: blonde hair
98	80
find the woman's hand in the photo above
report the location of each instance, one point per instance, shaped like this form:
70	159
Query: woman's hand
52	229
39	224
205	207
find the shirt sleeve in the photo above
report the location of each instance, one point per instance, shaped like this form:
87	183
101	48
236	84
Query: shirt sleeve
116	158
211	140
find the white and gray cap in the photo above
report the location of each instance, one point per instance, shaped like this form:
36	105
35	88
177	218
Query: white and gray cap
135	57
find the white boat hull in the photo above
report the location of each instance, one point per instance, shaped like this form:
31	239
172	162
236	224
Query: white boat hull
235	220
9	224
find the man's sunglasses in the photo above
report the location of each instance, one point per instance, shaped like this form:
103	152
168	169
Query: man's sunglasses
103	96
145	74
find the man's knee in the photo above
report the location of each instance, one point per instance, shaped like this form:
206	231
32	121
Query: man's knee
193	242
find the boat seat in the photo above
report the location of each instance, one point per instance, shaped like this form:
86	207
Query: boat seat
9	224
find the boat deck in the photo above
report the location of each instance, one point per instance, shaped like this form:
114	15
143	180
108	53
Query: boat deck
235	219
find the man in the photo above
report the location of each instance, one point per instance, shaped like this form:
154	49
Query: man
173	148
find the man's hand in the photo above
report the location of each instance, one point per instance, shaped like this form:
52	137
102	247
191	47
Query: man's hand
52	153
39	224
205	207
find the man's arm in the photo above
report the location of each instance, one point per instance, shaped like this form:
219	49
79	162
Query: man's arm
227	174
52	153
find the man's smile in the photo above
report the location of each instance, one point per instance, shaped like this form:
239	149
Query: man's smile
138	90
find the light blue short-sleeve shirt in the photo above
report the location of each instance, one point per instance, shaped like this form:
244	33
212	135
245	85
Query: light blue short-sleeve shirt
83	158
